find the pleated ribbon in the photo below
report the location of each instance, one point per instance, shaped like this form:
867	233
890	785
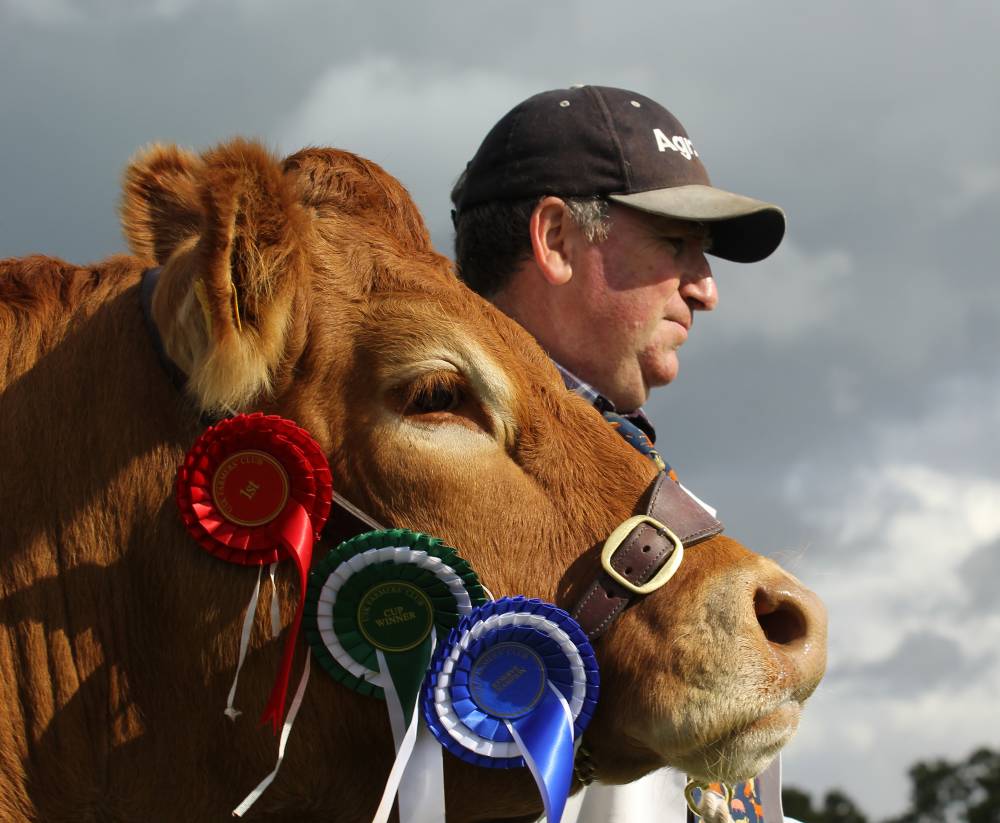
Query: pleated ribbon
255	489
515	684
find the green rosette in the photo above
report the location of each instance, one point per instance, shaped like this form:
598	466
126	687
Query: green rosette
386	593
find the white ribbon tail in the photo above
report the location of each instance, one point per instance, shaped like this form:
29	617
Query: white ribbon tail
396	774
286	730
417	775
275	610
397	720
421	791
248	617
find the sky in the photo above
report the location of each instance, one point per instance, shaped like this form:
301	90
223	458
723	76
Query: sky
841	407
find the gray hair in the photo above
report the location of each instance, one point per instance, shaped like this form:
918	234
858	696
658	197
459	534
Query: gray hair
591	216
492	239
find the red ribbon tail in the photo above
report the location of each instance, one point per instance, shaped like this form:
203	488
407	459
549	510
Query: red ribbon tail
297	539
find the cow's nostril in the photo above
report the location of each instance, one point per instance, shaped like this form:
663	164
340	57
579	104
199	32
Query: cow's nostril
781	620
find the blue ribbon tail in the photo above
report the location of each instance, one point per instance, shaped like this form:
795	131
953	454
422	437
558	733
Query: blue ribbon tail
545	738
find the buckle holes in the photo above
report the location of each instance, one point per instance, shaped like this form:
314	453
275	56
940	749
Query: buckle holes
636	103
628	570
564	103
608	594
645	549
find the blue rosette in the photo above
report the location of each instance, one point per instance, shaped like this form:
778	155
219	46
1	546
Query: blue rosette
515	684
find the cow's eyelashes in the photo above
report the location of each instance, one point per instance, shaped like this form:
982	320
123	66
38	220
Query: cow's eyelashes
439	392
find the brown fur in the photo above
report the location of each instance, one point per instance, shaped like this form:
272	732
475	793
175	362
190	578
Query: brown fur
119	635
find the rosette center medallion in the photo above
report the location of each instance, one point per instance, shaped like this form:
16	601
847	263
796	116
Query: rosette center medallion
395	616
250	488
507	680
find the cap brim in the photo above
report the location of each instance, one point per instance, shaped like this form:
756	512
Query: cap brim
744	229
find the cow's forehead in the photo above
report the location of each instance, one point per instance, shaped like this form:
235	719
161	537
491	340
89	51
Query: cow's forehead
457	326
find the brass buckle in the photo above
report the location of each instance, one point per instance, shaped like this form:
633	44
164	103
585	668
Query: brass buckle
617	537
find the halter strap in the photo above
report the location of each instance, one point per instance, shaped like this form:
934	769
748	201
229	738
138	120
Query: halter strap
672	522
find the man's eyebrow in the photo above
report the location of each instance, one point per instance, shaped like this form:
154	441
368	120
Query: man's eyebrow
691	227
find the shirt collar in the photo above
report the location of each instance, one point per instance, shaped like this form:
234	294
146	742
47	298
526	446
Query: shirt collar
601	403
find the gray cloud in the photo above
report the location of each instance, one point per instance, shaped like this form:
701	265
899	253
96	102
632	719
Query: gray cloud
924	661
980	572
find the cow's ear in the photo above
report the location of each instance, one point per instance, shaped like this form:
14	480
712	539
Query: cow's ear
224	306
338	184
160	207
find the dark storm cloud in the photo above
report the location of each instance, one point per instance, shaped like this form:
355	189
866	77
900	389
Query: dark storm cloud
85	84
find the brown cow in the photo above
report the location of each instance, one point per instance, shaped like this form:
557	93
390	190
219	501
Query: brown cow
119	634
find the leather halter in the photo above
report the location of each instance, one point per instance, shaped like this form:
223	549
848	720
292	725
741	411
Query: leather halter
642	554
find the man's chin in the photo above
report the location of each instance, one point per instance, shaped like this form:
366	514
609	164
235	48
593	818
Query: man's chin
661	372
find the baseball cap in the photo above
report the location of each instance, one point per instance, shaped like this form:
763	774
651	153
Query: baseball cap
597	140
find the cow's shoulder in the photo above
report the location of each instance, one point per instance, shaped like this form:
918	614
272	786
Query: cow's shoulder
42	297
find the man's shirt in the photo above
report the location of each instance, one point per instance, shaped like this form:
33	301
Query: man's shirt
602	404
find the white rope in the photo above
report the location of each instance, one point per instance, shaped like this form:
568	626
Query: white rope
713	808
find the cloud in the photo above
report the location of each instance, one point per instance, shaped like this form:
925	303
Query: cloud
980	572
70	12
923	661
793	293
908	571
420	122
975	185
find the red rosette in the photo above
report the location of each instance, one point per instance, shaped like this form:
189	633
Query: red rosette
235	477
253	490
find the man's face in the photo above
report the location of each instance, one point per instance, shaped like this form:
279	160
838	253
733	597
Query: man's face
631	301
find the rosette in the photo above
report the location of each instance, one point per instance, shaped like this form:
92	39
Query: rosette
240	482
253	490
375	576
375	608
515	684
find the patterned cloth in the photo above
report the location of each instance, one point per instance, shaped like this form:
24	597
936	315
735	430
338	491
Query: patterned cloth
602	404
745	807
640	434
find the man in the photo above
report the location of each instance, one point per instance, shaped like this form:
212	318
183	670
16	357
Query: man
586	215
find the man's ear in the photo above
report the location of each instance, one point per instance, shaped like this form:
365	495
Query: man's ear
553	240
224	307
160	207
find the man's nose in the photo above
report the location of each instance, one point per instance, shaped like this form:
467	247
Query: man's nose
698	286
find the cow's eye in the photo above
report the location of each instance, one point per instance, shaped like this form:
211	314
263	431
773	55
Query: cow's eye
441	392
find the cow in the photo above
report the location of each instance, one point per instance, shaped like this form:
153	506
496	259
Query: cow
308	288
